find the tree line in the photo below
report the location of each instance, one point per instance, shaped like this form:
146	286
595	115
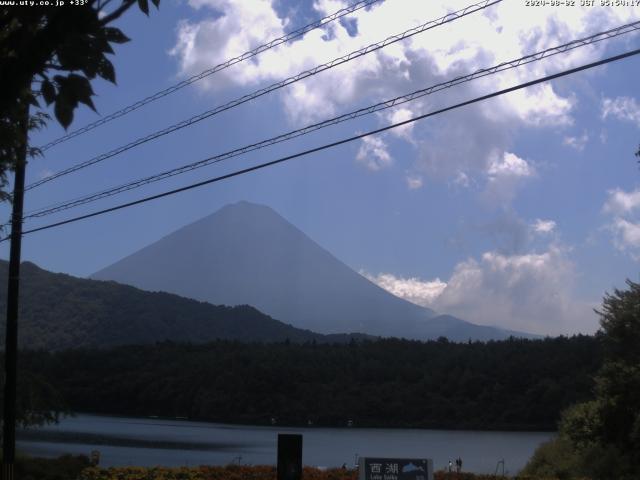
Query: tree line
512	385
600	437
60	311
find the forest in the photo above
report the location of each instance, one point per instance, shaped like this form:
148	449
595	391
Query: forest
59	311
515	384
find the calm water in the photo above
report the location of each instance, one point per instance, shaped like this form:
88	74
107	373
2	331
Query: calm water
142	441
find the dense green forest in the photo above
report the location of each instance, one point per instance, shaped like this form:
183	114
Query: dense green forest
600	438
513	384
59	311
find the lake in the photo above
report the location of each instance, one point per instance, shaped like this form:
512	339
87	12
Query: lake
148	441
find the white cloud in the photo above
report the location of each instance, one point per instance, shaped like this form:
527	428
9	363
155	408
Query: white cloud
510	165
400	115
461	141
506	173
412	289
542	106
543	226
626	234
373	154
530	292
414	182
624	225
621	108
45	173
211	41
603	137
462	180
621	202
577	143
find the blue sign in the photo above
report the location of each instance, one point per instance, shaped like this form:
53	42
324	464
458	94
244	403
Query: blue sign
395	469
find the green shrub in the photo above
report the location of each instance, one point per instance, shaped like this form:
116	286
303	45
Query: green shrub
67	467
556	458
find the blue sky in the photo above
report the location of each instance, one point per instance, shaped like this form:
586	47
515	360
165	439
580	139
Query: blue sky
519	212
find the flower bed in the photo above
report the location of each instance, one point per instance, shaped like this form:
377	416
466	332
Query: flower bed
234	472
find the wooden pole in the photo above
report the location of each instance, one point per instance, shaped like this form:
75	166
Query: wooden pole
11	340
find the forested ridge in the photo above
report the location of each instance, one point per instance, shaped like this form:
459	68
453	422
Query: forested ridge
59	311
514	384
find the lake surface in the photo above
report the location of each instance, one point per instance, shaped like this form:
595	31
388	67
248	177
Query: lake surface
147	442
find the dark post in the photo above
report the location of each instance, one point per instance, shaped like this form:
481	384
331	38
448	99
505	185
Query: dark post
289	457
11	340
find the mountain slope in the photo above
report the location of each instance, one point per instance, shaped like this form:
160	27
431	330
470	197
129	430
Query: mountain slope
60	311
248	254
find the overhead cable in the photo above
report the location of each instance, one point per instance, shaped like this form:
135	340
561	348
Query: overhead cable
394	102
333	144
275	86
210	71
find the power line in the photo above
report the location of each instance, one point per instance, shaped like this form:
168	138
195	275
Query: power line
210	71
614	32
275	86
336	143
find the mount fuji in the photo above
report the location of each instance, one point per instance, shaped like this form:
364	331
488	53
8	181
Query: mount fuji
247	254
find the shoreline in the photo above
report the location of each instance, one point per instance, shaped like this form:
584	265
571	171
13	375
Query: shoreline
302	426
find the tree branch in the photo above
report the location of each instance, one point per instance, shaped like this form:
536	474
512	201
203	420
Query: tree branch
126	5
105	3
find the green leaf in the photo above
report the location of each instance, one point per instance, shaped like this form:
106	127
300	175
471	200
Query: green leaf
38	121
59	79
80	84
71	90
64	112
91	63
71	54
101	44
144	6
114	35
88	102
106	70
33	152
48	92
80	89
33	101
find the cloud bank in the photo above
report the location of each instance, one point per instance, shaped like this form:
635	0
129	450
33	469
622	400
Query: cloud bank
460	143
530	292
623	207
621	108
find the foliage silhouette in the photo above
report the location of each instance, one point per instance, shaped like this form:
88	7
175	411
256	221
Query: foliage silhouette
512	385
51	54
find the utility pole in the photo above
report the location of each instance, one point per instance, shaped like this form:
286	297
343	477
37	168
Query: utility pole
11	340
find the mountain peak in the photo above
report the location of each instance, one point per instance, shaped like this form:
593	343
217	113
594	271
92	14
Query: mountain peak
246	253
242	214
245	206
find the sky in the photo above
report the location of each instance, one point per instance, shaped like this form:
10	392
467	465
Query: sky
520	211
